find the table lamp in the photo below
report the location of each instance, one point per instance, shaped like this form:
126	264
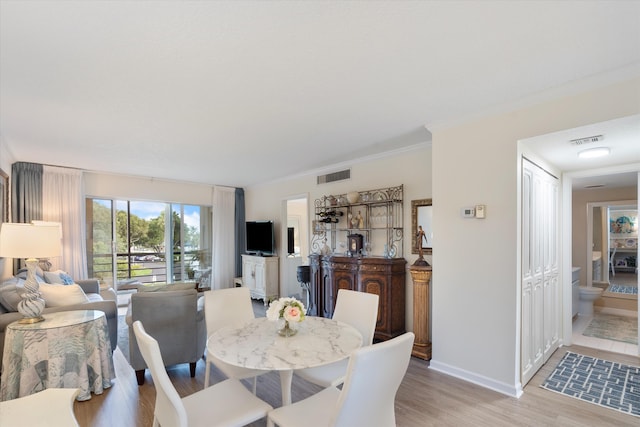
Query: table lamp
31	241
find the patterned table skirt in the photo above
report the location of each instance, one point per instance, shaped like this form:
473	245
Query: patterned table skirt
74	356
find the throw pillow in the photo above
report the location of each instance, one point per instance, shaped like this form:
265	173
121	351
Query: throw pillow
180	286
11	293
62	295
58	277
22	274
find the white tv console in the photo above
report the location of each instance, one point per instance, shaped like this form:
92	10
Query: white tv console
260	275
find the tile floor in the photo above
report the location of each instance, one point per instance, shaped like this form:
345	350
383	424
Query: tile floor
581	322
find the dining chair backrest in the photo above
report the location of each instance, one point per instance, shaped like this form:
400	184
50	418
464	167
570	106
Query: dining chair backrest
169	409
372	381
224	307
358	309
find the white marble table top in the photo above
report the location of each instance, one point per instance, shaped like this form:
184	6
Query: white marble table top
257	345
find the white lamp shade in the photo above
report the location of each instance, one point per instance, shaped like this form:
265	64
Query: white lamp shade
30	241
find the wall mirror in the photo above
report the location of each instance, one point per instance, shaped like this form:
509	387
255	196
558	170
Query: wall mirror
421	214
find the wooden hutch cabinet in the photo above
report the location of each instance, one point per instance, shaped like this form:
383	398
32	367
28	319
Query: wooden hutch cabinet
377	275
373	220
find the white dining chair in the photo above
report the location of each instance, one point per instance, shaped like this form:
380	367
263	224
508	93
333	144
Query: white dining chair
52	407
224	307
368	394
227	403
358	309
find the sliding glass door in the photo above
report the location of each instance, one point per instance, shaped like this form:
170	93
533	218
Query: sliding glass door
148	242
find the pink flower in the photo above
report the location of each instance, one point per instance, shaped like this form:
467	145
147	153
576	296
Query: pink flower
292	314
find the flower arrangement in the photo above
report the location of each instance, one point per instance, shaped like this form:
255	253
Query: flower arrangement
290	310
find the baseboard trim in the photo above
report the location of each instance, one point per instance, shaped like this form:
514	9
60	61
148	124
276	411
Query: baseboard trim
500	387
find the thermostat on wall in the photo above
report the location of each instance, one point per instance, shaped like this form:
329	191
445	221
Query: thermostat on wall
468	212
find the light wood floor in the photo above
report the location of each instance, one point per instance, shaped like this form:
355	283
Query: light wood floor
425	398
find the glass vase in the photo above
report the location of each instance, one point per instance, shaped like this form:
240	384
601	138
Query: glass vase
287	330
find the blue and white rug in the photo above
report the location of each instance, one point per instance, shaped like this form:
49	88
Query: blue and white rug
601	382
623	289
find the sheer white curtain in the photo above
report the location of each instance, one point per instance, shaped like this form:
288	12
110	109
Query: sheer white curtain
223	237
63	202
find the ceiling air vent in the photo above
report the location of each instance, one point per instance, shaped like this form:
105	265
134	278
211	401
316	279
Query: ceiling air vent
587	140
334	176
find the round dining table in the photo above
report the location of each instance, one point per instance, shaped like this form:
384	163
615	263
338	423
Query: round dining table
257	345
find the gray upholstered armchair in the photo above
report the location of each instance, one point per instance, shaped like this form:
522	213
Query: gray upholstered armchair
176	320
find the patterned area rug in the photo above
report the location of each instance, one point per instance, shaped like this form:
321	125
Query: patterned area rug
608	384
621	291
611	327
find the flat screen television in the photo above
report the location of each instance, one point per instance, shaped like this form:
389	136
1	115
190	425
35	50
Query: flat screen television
260	238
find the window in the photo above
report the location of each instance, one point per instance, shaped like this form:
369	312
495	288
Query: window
148	242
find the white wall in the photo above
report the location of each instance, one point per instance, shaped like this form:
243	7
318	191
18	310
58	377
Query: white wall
476	265
412	168
6	158
146	189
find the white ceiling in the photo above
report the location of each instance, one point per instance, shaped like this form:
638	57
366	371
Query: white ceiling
233	93
621	136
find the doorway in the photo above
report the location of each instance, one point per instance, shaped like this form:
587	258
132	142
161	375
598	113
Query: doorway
604	175
295	247
611	264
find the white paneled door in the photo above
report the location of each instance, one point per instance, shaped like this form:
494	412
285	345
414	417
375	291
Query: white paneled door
540	288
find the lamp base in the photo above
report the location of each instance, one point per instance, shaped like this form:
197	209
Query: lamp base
30	320
32	304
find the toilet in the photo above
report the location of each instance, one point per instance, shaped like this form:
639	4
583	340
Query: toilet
587	296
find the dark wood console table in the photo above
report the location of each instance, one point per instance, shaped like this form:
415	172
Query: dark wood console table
377	275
